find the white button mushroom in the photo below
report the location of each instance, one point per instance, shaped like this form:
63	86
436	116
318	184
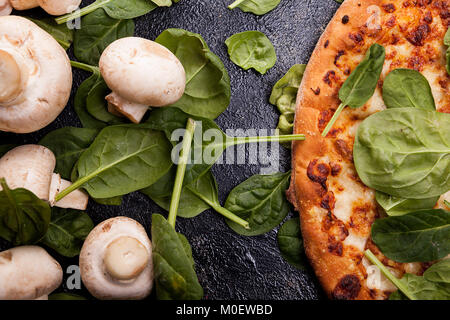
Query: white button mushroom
141	73
5	8
31	167
35	76
28	273
116	260
53	7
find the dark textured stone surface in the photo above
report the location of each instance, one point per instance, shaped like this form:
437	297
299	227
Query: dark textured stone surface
229	266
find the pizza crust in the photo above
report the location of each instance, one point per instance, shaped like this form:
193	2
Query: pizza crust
324	182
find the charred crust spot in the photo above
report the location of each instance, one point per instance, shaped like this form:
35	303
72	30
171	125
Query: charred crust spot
345	19
329	77
339	54
356	37
316	91
328	201
318	172
324	118
335	247
389	7
418	35
428	18
335	228
391	22
335	169
348	288
347	71
343	149
327	43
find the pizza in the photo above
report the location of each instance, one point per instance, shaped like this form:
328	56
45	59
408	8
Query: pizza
336	209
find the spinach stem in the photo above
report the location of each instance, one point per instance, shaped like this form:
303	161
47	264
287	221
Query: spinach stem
372	258
79	13
283	138
85	67
225	212
235	4
181	169
333	120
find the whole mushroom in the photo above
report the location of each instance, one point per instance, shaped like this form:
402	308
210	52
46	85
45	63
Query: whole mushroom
28	273
35	76
5	8
116	260
141	74
53	7
31	167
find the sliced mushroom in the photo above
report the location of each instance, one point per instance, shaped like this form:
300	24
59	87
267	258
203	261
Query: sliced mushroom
31	167
141	73
35	76
53	7
5	8
116	260
28	273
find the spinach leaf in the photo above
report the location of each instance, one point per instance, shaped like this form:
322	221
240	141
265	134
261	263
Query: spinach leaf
258	7
208	151
97	106
24	218
5	148
406	88
68	144
117	9
80	104
252	49
67	230
422	289
361	84
261	201
284	96
420	236
208	91
290	243
97	31
161	193
439	272
61	33
395	206
122	159
65	296
173	264
404	152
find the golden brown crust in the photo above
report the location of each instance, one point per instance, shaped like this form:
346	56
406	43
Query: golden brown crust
320	163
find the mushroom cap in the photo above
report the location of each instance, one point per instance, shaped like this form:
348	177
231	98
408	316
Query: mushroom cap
5	8
143	72
59	7
24	4
92	268
28	273
29	166
49	81
77	199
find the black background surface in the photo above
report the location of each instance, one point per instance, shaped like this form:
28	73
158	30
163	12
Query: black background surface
229	266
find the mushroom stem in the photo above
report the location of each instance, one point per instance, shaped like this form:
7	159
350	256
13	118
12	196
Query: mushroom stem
125	258
11	84
133	111
181	170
